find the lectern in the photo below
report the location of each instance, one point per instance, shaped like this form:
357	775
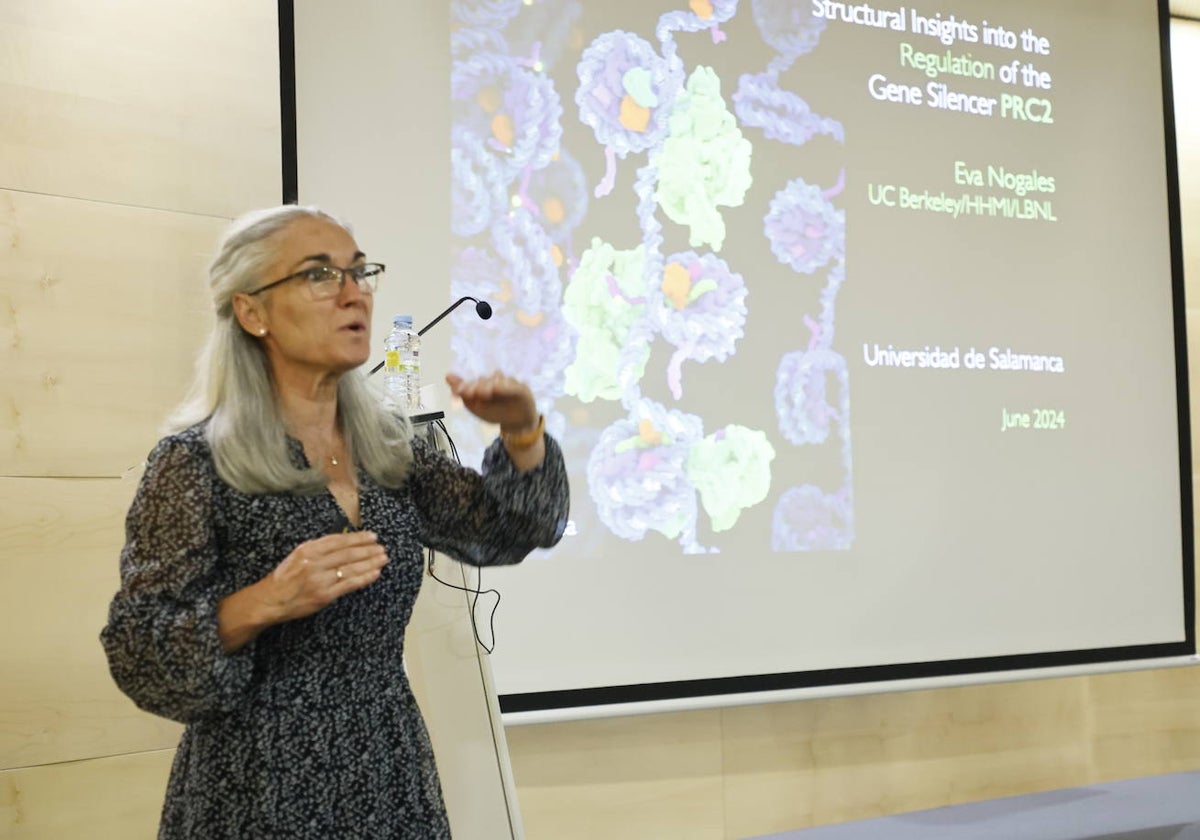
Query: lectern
452	679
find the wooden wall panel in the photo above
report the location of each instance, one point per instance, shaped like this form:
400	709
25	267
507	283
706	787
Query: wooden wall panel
166	105
117	798
822	761
131	131
61	542
654	777
102	310
1145	723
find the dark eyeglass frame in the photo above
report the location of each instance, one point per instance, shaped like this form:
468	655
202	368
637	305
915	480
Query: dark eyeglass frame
359	273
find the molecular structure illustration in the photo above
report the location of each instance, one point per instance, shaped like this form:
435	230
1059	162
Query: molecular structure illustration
589	322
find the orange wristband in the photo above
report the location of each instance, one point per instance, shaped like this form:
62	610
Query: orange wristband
524	440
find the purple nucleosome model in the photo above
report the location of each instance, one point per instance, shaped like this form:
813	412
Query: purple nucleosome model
557	195
701	311
805	230
515	110
625	94
807	518
789	27
802	401
637	475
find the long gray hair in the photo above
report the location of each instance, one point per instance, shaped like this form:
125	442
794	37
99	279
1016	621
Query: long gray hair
232	388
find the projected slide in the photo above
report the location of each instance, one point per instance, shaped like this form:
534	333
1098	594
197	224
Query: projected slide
854	320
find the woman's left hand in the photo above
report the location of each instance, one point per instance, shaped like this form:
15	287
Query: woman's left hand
497	399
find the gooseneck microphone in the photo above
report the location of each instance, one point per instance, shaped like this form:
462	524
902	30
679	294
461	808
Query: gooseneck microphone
482	308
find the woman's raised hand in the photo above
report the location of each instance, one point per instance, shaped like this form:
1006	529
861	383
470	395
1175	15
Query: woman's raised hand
497	399
509	402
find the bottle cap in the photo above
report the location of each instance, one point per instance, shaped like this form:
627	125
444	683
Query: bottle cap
402	321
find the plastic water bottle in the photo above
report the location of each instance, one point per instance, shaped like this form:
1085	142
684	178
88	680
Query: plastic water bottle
402	365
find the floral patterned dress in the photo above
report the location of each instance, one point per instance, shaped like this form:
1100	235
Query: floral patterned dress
310	730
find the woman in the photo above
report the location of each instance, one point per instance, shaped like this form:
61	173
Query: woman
273	552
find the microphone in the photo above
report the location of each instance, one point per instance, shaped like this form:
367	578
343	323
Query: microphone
482	308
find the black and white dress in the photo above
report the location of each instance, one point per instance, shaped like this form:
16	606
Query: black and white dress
311	730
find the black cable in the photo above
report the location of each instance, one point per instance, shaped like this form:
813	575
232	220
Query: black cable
441	424
477	590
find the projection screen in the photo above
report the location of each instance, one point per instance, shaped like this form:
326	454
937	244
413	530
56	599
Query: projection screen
860	324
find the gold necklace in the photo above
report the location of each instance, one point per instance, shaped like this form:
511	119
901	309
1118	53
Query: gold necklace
332	449
333	460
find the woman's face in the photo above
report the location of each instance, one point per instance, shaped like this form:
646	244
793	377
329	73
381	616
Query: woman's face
330	335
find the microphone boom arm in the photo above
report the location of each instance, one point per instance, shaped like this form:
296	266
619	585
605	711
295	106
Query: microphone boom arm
450	309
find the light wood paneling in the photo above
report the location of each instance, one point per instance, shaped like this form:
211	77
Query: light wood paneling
656	777
810	763
793	765
117	798
1146	723
61	541
167	105
102	309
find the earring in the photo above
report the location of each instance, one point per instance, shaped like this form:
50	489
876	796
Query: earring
262	331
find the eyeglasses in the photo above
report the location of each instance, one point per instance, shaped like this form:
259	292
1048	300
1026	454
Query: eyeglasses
326	281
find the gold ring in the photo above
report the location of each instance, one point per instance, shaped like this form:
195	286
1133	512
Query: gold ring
339	574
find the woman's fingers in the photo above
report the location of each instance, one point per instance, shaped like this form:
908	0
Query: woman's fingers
494	383
357	571
496	398
320	571
354	576
339	549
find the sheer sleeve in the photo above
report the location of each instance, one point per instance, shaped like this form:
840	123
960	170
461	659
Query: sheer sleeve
491	518
161	638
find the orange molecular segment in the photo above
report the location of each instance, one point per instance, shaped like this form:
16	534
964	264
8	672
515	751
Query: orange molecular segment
676	284
505	294
634	116
530	320
502	129
556	254
488	99
702	8
553	210
648	433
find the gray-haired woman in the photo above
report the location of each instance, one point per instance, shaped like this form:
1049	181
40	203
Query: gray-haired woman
273	552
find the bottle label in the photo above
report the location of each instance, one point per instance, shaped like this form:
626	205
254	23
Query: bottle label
391	359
